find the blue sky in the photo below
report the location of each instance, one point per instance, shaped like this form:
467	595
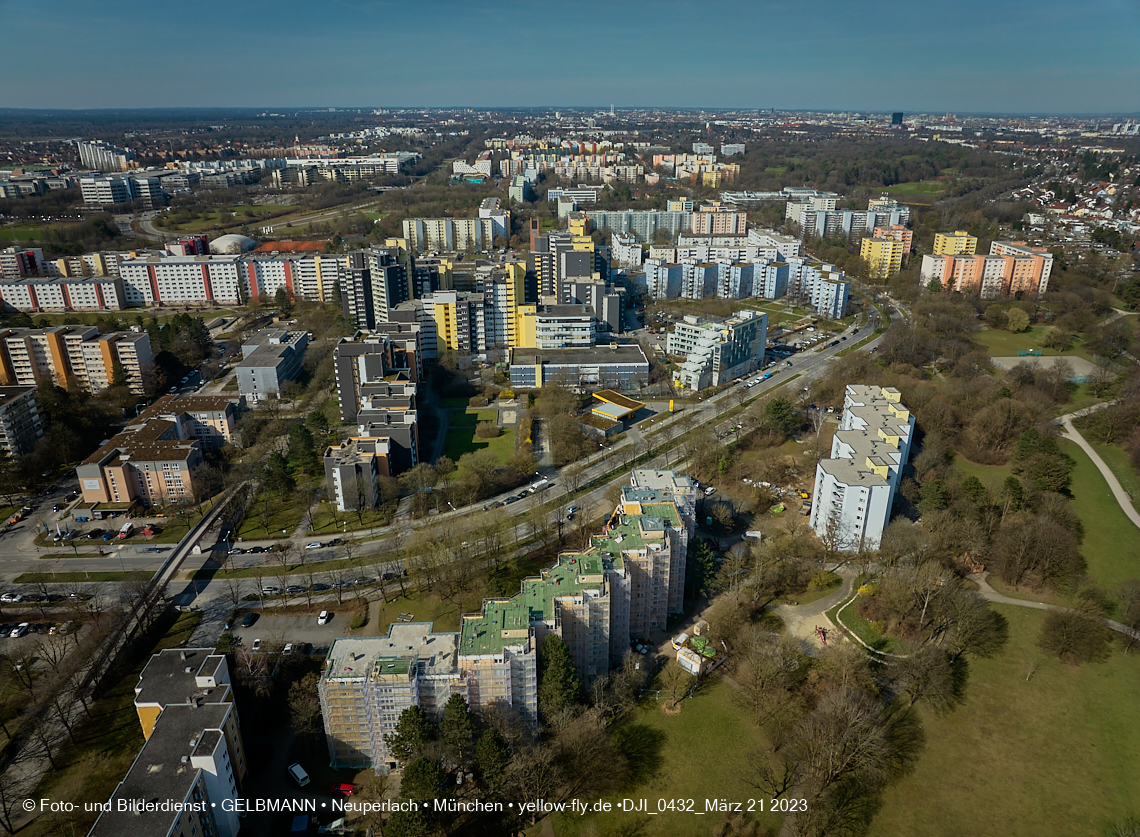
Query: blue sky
1052	56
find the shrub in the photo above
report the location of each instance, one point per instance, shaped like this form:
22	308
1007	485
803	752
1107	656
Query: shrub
487	430
1074	637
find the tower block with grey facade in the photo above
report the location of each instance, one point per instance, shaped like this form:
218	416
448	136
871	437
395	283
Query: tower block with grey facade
855	488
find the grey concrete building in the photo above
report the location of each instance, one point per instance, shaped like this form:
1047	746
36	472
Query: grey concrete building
620	367
269	359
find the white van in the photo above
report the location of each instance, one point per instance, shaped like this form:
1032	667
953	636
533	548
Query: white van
299	775
679	641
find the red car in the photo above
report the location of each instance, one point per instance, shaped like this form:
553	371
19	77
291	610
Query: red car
343	789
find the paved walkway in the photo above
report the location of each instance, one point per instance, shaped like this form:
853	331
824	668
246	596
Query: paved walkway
1122	497
801	621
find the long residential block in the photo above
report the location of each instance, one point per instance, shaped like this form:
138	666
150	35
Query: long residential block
855	487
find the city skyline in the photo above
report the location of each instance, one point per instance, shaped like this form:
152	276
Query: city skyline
969	57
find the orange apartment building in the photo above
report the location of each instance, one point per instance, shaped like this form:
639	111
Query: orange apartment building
899	233
153	460
1010	268
73	356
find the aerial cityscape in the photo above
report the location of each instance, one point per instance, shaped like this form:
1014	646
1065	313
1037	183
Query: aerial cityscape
427	457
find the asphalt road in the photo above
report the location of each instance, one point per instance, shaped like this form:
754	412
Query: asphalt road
216	600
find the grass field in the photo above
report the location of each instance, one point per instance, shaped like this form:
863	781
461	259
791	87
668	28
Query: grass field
999	343
928	189
1057	754
698	754
1112	543
264	521
1120	465
226	216
106	745
461	436
65	578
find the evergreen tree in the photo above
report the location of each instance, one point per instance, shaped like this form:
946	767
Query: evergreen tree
779	414
422	780
457	729
558	685
700	568
317	422
492	756
973	490
413	731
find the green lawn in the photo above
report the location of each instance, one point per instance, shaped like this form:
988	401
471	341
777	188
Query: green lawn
1081	397
325	522
225	216
1112	543
1000	343
471	417
64	578
698	754
424	607
929	189
1120	465
461	436
1057	754
991	476
262	522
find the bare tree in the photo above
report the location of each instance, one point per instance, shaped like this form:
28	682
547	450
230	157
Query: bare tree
674	681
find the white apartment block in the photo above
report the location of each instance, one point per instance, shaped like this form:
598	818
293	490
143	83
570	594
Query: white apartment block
855	488
452	234
698	281
737	281
565	327
662	280
717	351
823	285
82	294
627	252
101	156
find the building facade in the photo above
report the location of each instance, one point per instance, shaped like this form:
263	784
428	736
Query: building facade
75	356
716	352
855	487
270	358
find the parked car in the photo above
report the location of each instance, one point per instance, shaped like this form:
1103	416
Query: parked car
295	588
11	598
270	590
248	620
324	618
287	650
319	587
256	645
314	545
107	536
20	630
93	534
342	789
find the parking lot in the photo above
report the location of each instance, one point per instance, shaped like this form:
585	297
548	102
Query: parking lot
275	631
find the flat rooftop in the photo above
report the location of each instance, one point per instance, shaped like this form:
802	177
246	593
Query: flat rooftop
651	478
355	658
165	680
600	355
849	472
159	774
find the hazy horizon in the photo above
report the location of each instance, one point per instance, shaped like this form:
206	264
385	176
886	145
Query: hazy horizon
968	56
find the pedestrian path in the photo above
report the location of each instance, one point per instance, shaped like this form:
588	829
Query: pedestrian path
1122	497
